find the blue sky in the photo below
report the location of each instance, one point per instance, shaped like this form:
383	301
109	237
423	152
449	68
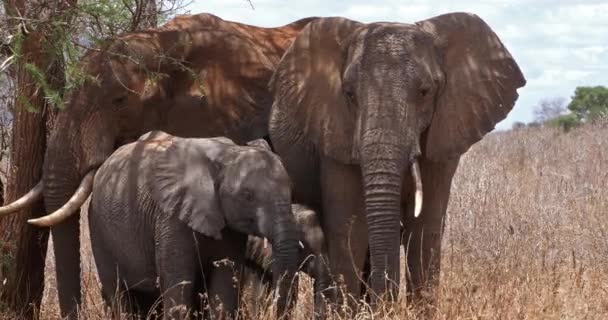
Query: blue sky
558	44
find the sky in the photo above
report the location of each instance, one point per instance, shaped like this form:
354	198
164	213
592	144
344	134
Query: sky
558	44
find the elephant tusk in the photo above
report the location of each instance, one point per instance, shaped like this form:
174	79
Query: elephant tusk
418	184
70	207
265	242
26	200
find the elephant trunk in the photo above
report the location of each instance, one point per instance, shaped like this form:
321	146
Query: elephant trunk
66	163
285	261
382	165
61	179
78	145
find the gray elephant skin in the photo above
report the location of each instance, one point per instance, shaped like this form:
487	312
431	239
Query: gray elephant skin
165	208
367	118
312	258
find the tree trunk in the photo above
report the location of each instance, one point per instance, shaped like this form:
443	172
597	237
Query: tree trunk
23	247
145	15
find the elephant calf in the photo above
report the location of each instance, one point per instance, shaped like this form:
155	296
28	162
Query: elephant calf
312	257
165	210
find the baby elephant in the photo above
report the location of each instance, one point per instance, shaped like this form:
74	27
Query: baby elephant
169	217
312	257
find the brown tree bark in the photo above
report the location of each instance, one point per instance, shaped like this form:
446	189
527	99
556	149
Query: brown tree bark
23	247
145	15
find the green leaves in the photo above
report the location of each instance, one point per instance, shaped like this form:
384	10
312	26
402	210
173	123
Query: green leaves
565	122
52	96
590	104
105	18
67	35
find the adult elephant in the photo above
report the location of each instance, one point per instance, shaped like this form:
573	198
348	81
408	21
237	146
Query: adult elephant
360	109
197	76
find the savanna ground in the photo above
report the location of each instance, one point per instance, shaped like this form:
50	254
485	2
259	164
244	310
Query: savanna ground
526	235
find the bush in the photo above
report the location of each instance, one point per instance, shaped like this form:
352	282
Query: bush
565	122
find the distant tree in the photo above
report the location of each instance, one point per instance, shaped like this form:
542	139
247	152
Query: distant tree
518	125
565	122
590	104
548	109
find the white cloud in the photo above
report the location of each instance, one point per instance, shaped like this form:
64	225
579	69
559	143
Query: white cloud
365	12
414	12
558	44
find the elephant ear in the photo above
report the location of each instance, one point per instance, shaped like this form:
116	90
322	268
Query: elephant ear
481	81
260	144
184	185
307	86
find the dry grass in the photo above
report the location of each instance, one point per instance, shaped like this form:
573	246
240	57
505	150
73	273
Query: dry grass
526	236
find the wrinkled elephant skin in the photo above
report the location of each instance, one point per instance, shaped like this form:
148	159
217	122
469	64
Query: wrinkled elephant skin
371	118
179	210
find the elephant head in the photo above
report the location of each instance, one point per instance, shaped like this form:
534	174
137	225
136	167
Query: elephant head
381	95
200	76
210	184
143	82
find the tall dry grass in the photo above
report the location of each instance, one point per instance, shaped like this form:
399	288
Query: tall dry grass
526	234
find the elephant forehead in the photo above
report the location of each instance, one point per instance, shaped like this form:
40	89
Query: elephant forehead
247	163
161	144
396	38
258	168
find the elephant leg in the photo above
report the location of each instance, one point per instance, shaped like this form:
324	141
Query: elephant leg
66	244
178	291
223	292
111	291
120	299
177	266
422	237
144	303
225	277
344	225
126	301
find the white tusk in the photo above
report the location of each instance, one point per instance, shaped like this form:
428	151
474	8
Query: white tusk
265	243
70	207
418	184
301	244
26	200
6	63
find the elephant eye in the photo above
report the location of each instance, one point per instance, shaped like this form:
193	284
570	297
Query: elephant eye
119	100
424	91
248	195
350	96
